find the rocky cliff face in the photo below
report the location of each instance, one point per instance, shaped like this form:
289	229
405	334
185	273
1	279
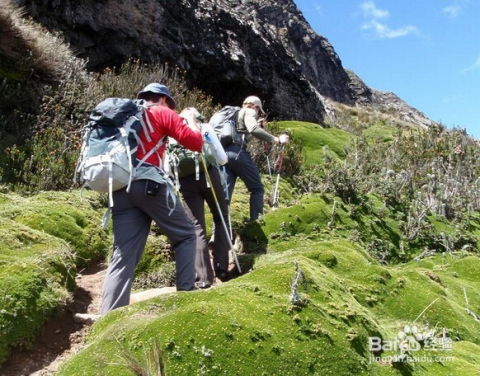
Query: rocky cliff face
386	102
229	48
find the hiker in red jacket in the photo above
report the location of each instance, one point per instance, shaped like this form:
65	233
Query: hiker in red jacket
151	197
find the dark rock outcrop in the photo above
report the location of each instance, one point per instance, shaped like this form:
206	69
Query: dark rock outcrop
229	48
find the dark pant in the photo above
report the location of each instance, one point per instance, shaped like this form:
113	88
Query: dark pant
240	164
132	215
195	193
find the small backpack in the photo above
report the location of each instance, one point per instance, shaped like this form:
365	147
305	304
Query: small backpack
184	162
111	139
226	125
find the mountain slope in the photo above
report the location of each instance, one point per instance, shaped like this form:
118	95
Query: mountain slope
229	48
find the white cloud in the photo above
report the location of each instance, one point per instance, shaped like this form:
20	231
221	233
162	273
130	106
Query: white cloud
380	28
370	10
456	8
319	9
452	11
474	66
384	31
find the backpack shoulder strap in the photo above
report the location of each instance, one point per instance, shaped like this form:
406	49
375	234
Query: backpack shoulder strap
146	125
151	152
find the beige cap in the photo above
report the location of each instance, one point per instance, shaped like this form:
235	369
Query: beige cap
254	100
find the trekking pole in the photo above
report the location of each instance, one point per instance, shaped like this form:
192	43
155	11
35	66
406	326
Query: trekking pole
269	167
265	149
234	253
276	192
227	197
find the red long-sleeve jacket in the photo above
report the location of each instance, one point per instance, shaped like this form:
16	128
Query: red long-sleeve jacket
166	122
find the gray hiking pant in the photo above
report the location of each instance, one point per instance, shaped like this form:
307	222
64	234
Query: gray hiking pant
240	164
132	215
195	193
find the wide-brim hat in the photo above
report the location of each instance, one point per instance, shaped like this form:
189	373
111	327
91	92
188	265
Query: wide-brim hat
157	88
256	101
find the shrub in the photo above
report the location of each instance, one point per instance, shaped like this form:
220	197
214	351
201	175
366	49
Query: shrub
292	154
32	63
437	169
48	162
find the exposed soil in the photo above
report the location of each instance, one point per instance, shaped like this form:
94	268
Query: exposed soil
61	336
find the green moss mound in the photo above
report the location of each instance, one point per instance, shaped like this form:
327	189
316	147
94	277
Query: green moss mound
315	138
36	273
42	241
376	225
249	326
71	216
380	132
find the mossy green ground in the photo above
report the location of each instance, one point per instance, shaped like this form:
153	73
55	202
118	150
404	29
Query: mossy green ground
249	327
42	240
316	138
371	222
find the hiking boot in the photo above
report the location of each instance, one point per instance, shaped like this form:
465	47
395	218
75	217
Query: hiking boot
222	275
202	285
86	318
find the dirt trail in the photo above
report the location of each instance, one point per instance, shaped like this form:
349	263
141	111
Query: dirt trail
61	336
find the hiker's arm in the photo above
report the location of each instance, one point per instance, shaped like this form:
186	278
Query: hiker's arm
185	136
253	127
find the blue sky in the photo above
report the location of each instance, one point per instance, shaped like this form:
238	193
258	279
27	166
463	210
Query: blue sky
426	51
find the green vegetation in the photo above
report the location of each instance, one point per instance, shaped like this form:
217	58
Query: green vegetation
316	140
370	268
350	249
380	132
378	229
36	272
42	241
249	326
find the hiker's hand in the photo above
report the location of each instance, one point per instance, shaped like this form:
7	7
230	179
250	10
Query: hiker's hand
262	122
283	138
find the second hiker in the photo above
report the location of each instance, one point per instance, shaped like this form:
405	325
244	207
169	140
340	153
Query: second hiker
193	182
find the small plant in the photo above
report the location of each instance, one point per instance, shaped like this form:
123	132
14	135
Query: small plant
150	363
295	298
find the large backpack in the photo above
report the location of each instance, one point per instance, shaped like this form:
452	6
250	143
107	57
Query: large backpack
226	125
107	159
